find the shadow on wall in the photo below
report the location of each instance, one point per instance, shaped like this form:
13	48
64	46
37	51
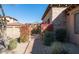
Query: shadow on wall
57	23
60	21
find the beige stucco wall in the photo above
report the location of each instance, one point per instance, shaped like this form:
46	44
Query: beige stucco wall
48	16
57	11
70	26
13	32
58	17
11	20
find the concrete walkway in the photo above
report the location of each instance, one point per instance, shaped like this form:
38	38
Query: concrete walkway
36	46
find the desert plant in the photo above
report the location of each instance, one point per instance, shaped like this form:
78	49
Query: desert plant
64	48
24	38
56	47
61	35
71	48
12	44
48	38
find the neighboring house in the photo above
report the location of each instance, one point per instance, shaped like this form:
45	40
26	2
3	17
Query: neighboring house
13	27
64	16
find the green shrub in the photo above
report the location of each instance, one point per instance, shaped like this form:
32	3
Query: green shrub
58	48
24	38
71	48
61	35
12	44
48	38
33	31
36	31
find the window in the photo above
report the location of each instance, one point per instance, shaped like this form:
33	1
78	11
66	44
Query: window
76	23
48	21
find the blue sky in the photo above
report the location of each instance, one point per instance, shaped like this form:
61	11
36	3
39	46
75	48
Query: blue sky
25	13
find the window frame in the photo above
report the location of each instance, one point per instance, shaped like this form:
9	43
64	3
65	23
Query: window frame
48	20
75	25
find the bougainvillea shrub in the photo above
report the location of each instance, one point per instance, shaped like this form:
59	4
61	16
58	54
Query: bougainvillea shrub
49	27
46	26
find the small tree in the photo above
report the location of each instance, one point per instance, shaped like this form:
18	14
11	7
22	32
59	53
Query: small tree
36	30
24	36
48	35
48	38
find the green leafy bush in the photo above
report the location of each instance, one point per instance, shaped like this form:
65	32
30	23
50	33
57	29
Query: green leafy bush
61	35
12	44
48	38
33	31
36	31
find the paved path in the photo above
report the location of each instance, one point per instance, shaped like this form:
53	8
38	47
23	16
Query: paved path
36	46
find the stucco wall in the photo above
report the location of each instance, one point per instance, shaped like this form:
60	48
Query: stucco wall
13	32
58	17
11	20
70	26
48	16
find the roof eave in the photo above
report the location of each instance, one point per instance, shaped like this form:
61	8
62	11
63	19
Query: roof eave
53	5
48	8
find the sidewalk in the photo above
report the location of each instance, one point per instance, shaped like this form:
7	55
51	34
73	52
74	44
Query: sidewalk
30	46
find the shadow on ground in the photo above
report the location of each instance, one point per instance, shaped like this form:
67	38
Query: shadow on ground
38	47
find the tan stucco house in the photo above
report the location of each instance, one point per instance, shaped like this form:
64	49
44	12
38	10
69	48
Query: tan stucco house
64	16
